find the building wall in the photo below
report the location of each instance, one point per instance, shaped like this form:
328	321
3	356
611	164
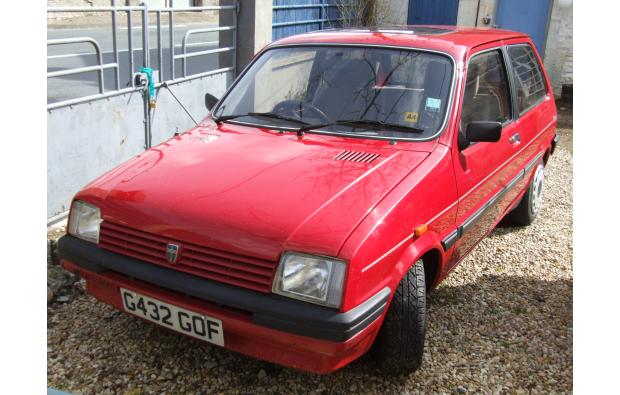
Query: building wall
392	12
559	48
468	9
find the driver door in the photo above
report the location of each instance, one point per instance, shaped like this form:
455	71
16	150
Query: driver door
481	168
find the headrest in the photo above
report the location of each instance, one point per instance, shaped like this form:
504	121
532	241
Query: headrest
434	78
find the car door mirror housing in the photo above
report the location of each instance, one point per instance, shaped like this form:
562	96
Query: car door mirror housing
210	101
484	131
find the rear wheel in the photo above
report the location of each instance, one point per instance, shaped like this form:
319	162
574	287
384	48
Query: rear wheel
399	346
531	203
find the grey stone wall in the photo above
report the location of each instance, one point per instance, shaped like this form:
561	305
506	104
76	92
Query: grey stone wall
559	47
392	12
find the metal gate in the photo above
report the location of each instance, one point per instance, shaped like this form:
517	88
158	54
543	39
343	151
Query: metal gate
432	12
99	114
300	16
528	16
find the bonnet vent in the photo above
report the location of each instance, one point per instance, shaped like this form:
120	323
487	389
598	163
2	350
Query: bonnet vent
356	156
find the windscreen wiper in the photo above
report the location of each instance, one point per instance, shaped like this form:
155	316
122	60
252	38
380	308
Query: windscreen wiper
272	115
364	123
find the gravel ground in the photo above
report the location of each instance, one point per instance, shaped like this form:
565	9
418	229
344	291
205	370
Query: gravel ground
500	323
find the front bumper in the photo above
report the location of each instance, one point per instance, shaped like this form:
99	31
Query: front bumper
265	326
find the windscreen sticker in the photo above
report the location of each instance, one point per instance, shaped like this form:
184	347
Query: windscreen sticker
411	117
433	104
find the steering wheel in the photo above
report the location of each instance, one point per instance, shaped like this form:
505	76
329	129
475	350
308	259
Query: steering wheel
299	109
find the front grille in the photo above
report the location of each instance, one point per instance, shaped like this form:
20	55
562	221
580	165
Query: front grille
225	267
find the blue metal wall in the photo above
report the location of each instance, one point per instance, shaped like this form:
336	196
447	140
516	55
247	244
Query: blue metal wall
528	16
300	16
432	12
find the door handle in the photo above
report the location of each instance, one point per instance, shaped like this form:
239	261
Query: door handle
515	138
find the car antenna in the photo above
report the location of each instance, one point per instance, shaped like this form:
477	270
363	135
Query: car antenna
300	133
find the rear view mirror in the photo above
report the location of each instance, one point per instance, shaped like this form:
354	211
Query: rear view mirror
210	101
484	131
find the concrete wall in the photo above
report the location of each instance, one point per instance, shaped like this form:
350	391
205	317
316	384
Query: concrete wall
468	9
392	12
559	47
253	30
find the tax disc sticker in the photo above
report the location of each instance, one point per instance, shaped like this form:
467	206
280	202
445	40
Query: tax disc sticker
433	104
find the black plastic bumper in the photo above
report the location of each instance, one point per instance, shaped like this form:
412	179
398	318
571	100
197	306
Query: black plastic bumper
267	310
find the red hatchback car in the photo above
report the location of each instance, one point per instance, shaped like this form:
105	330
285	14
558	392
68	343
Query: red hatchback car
342	176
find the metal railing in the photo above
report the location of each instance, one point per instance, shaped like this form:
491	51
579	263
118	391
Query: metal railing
185	55
79	70
167	76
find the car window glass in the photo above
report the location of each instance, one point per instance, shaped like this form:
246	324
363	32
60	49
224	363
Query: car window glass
278	80
408	89
486	96
529	82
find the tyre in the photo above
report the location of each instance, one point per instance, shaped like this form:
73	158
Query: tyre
399	345
531	203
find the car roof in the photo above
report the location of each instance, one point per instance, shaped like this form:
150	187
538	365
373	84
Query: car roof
451	39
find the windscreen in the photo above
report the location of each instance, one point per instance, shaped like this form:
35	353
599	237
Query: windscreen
393	93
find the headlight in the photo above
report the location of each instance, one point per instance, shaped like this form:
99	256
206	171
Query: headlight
84	221
315	279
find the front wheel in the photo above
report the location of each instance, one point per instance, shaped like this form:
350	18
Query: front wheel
531	203
399	346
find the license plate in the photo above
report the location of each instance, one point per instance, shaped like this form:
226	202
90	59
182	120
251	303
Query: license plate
176	318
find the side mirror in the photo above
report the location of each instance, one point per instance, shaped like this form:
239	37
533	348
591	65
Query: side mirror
210	101
484	131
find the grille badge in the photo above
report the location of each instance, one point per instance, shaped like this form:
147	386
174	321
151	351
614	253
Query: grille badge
172	253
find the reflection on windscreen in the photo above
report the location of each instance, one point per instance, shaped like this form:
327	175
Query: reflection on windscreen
323	84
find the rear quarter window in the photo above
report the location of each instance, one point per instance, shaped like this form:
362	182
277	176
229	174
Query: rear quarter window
528	78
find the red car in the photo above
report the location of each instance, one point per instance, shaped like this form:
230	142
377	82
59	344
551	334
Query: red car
342	176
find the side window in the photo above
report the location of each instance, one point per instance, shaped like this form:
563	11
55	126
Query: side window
486	96
529	82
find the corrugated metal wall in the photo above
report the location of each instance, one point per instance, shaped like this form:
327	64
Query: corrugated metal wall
433	12
300	16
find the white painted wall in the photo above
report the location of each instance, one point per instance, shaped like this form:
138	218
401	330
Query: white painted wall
85	140
88	139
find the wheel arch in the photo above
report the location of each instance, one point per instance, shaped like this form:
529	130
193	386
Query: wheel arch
427	248
432	262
